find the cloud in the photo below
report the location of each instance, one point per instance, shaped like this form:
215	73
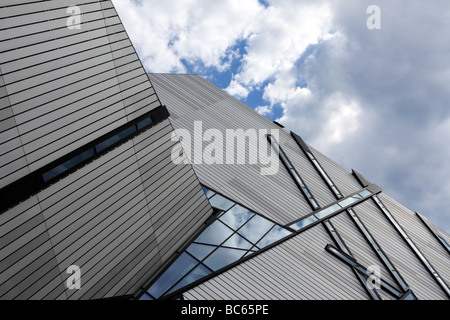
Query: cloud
373	100
166	33
237	90
379	101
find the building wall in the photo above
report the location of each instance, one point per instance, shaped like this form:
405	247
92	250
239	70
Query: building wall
119	217
191	98
62	88
298	268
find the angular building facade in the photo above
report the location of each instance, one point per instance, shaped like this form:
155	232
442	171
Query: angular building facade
89	182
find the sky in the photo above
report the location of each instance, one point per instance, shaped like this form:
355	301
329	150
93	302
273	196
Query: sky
373	100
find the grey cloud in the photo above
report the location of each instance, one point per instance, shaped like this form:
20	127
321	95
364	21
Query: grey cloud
399	76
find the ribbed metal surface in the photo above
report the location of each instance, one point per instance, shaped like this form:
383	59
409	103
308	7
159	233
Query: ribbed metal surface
421	237
116	218
406	262
358	246
299	268
191	98
62	88
119	217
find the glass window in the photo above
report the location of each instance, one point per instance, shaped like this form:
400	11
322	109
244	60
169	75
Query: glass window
145	297
314	204
297	178
219	202
193	276
303	223
410	296
178	269
56	171
237	241
249	253
285	160
200	251
274	235
365	193
143	123
336	191
236	216
215	234
336	237
255	228
208	192
347	202
114	139
327	211
223	257
444	242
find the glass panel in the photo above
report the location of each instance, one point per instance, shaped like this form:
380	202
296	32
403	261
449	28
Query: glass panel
142	124
249	253
178	269
409	297
255	228
145	297
347	202
303	223
444	242
237	241
116	138
193	276
68	164
223	257
274	235
285	159
200	251
314	204
365	193
215	234
297	178
335	190
323	173
326	212
220	202
307	193
208	192
236	216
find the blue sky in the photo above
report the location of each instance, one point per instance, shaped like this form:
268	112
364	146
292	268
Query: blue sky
372	100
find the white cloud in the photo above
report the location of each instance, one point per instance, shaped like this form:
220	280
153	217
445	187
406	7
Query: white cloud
237	90
264	110
167	32
374	100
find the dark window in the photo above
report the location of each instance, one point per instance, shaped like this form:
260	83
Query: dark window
115	138
144	123
56	171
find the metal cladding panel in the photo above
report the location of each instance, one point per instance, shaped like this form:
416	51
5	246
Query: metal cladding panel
343	179
421	236
191	98
298	268
63	87
104	219
398	251
358	245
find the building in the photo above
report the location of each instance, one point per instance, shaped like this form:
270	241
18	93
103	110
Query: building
88	179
